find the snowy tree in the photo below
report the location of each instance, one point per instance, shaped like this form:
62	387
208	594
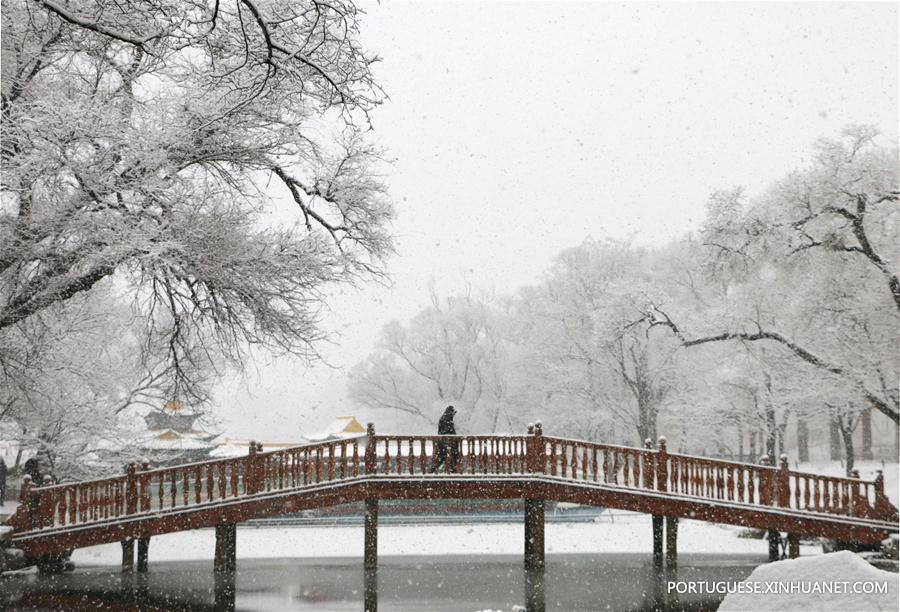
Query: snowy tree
807	267
150	143
457	351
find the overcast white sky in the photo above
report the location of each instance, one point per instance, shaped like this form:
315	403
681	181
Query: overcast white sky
519	129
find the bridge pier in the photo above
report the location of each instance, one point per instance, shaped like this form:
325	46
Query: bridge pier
793	545
370	556
671	543
128	556
534	555
226	548
534	534
225	566
774	545
143	553
657	541
370	550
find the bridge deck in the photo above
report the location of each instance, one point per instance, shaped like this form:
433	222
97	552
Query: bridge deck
145	502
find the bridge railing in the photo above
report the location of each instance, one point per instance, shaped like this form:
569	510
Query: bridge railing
714	479
142	490
411	455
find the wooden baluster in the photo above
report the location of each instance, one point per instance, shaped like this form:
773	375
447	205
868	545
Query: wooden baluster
330	461
565	460
387	456
465	450
605	465
198	485
625	467
797	493
553	458
70	504
425	461
221	481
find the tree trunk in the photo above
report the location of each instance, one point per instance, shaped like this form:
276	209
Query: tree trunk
740	433
847	437
866	451
834	439
753	457
802	440
771	435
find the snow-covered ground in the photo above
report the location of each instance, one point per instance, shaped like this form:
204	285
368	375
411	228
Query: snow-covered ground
615	533
826	571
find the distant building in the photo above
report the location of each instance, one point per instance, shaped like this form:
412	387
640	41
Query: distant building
341	428
174	437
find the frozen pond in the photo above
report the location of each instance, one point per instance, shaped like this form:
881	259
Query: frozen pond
618	581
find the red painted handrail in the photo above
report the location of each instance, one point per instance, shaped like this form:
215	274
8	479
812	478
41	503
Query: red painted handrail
142	490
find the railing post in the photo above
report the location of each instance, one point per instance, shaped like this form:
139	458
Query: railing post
647	463
371	460
534	449
250	470
884	509
25	507
783	484
765	482
46	505
131	497
260	476
662	466
858	505
145	486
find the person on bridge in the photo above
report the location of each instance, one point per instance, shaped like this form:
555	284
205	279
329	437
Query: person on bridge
444	446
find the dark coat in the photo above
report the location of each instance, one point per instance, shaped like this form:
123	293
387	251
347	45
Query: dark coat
445	424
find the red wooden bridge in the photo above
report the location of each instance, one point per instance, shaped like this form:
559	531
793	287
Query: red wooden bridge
145	502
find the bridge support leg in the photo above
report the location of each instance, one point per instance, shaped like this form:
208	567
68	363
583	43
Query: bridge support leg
370	592
370	551
671	543
226	548
128	556
225	566
793	545
534	555
143	552
534	534
774	545
657	541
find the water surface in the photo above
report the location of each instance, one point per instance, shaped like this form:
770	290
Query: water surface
574	582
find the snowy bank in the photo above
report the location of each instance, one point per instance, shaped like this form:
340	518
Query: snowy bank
836	581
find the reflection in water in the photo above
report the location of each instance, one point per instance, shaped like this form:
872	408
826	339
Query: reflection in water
625	582
225	590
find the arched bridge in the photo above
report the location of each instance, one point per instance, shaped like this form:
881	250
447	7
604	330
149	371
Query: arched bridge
145	502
